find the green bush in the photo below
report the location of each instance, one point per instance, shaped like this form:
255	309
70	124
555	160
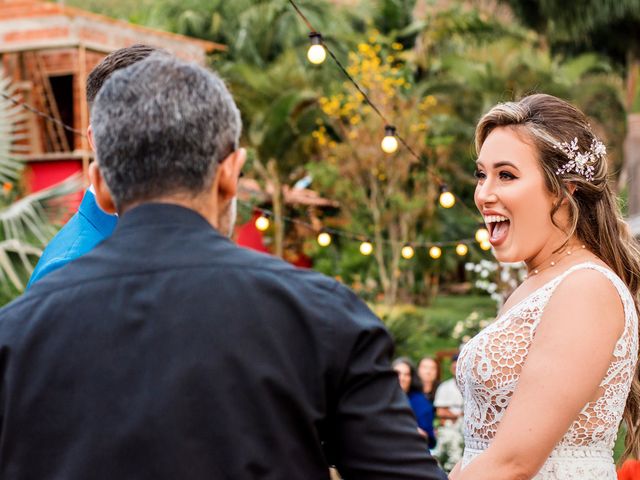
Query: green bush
420	331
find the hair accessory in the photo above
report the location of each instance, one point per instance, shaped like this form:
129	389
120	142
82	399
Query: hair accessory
579	162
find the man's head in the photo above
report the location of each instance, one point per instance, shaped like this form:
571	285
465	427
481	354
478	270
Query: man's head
116	60
167	131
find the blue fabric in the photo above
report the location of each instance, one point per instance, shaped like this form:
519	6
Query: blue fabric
423	410
81	234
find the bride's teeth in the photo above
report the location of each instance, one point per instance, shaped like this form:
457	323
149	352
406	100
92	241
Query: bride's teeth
494	219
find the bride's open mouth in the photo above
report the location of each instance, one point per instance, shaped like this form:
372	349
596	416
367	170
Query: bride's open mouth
498	227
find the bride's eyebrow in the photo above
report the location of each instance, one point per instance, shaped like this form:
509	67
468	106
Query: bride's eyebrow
504	163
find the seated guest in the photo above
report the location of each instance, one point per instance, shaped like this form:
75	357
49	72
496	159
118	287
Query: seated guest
422	407
448	400
429	375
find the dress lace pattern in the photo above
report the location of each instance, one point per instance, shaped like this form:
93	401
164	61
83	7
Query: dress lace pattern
489	367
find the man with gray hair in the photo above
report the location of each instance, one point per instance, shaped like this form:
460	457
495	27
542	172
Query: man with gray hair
170	353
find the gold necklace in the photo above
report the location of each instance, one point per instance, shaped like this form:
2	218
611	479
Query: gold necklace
553	263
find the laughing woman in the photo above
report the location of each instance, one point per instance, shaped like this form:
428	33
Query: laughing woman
546	386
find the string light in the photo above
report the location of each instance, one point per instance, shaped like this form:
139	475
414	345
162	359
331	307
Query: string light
482	235
389	143
262	223
462	249
392	143
447	199
324	239
366	248
407	252
316	54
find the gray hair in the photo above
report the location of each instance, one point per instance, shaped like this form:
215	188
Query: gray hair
161	126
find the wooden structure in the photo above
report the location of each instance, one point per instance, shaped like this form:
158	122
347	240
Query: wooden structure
47	49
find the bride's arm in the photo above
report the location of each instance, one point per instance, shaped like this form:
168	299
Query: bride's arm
568	359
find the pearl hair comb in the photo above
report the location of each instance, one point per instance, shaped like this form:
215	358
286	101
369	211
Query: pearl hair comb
582	163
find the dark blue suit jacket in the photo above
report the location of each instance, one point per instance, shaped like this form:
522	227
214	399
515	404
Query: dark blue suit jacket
170	353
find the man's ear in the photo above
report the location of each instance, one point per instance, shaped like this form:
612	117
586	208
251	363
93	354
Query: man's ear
103	195
229	172
90	138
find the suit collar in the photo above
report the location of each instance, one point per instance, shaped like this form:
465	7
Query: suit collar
164	214
103	222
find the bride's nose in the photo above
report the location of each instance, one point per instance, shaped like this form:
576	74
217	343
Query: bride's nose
485	194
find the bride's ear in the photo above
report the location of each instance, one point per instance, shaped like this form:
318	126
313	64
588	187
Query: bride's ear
571	189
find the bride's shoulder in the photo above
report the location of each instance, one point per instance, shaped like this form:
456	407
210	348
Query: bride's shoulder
589	291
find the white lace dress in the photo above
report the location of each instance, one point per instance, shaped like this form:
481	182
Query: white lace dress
489	368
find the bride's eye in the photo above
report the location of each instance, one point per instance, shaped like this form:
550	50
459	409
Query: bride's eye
507	175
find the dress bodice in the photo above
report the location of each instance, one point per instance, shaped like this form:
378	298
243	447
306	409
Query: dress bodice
489	368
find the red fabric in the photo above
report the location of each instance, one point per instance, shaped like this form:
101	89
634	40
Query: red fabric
249	236
630	470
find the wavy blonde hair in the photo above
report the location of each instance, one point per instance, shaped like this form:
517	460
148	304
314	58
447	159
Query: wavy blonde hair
594	213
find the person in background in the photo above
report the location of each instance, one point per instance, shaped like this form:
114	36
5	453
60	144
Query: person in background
421	406
448	404
429	374
89	225
448	399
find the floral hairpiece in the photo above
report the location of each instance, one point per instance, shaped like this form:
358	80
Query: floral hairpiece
579	162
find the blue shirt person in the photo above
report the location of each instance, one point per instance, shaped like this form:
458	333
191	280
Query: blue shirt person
90	225
81	234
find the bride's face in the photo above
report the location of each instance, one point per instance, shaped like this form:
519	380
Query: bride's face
513	199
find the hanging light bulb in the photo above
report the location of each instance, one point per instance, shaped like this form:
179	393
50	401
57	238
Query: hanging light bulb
324	239
435	252
447	199
482	235
317	53
262	222
366	248
407	252
462	249
485	245
389	142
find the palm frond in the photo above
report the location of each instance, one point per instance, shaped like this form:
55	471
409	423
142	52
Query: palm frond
28	217
9	272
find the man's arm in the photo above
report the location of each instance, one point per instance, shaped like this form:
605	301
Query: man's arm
375	433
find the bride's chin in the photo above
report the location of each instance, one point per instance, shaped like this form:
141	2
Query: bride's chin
505	257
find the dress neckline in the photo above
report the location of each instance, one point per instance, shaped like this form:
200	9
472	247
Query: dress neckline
547	284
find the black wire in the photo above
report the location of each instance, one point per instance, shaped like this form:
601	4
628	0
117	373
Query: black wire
44	115
351	236
366	98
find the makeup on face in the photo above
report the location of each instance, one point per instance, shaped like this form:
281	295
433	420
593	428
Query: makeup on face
512	196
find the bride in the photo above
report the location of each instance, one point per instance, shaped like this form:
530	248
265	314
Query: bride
547	384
